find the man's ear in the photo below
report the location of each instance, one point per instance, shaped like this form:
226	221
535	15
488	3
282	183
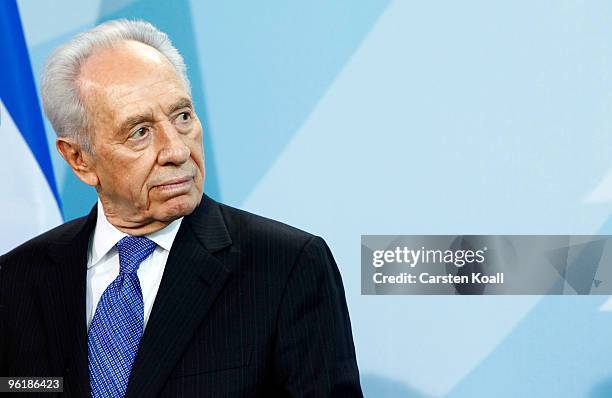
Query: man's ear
79	160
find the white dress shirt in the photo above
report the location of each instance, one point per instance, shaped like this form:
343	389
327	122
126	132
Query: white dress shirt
103	262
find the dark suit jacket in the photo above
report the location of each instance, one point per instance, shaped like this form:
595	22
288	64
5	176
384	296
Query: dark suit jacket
247	307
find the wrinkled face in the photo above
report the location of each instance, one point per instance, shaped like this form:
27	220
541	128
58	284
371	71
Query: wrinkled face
147	139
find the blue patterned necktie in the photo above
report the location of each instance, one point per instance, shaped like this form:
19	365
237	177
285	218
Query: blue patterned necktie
117	325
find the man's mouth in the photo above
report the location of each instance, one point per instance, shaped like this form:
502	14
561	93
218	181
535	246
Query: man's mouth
176	185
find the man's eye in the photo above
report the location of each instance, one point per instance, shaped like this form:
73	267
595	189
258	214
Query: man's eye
184	117
141	132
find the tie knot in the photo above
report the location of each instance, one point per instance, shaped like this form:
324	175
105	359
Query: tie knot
132	250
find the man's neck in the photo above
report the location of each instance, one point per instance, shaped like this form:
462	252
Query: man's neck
130	227
140	230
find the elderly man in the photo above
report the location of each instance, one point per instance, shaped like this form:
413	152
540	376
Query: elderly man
160	290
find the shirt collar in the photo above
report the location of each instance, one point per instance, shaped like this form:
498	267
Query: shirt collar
106	236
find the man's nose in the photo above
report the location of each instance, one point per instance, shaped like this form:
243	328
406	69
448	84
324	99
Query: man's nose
172	145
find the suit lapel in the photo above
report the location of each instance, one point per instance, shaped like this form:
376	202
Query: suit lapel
193	277
62	295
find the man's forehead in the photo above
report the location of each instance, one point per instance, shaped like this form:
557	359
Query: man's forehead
165	104
137	93
124	65
116	103
128	77
123	59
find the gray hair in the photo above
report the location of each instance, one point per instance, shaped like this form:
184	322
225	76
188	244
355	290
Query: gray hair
61	98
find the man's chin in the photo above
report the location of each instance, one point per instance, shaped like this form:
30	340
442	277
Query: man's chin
176	207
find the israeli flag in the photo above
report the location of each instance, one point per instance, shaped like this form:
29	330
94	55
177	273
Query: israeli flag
29	200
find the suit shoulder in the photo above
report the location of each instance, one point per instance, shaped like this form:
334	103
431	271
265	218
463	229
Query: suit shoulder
33	247
261	229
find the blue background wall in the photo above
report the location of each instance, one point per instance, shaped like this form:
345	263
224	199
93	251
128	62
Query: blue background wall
347	118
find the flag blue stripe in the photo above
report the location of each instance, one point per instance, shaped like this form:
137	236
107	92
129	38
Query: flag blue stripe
18	91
